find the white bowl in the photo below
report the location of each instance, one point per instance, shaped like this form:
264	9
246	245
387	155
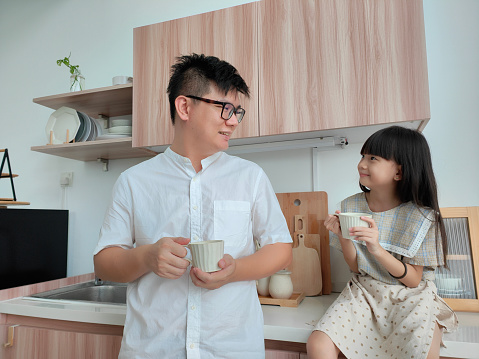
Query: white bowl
120	122
123	130
109	136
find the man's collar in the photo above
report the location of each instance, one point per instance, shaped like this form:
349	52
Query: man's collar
205	162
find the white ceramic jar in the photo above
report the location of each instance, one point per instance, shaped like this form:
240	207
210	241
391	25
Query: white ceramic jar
262	286
281	285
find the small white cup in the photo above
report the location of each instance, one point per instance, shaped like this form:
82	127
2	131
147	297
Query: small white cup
205	255
351	219
121	80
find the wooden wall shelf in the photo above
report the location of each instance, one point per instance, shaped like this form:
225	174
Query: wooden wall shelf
13	203
92	150
108	101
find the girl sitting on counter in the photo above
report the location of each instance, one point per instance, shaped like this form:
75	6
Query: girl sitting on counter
390	307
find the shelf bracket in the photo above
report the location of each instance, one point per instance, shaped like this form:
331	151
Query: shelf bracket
105	163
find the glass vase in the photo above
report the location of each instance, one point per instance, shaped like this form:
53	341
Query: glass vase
77	83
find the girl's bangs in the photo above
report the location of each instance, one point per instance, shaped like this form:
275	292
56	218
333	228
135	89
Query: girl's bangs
377	145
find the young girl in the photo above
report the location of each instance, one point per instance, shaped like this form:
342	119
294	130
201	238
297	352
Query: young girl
390	307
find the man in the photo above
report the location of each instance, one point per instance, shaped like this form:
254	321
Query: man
194	192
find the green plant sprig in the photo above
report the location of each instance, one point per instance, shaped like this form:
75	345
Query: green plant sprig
74	70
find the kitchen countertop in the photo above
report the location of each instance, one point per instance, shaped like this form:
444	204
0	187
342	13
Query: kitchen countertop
280	323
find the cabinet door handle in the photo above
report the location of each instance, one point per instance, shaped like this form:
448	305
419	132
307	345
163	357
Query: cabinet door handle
11	334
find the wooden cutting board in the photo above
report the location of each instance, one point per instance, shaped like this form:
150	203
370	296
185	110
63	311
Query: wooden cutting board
314	206
305	268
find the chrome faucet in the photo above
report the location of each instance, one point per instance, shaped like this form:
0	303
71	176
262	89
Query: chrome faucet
98	281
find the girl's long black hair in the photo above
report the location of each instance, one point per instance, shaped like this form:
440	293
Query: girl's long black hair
409	149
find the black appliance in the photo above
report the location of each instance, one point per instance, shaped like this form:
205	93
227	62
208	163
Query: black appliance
33	246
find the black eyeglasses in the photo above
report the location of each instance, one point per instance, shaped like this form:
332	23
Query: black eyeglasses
227	110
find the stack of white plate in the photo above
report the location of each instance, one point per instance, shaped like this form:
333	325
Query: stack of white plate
62	126
119	126
76	124
90	128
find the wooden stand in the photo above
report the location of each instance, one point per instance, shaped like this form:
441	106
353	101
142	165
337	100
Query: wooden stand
67	138
4	202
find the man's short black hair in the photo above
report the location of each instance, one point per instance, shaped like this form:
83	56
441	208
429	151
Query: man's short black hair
193	75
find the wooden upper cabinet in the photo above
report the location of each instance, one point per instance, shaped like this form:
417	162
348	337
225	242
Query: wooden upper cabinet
311	66
331	64
230	34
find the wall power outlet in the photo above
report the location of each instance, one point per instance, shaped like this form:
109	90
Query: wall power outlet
66	179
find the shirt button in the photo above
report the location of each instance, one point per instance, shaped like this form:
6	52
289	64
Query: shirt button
193	307
195	237
195	208
194	179
185	160
192	345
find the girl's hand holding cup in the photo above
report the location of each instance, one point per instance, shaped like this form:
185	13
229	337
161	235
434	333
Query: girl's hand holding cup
332	224
369	235
356	227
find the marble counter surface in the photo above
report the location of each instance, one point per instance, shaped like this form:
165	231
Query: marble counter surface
280	323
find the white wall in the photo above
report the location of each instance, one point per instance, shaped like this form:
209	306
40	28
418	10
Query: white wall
99	34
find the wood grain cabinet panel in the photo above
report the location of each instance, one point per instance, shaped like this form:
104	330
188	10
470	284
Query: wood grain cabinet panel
311	65
40	343
281	354
230	34
330	64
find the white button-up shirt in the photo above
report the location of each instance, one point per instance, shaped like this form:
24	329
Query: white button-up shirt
229	199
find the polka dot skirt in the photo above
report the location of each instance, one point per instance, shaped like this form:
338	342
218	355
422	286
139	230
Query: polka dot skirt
371	319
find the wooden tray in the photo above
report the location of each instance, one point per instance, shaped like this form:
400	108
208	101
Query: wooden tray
294	301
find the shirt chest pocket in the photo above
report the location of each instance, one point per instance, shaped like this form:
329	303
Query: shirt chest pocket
232	222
